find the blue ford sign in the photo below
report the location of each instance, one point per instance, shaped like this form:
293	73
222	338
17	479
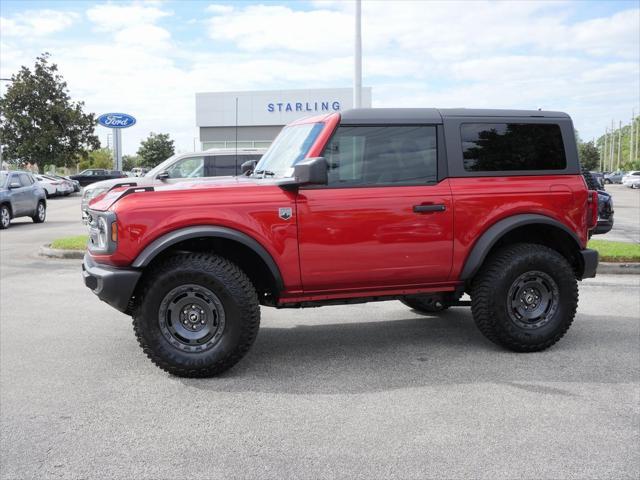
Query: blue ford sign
116	120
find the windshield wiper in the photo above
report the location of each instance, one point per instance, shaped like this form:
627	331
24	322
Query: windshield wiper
264	173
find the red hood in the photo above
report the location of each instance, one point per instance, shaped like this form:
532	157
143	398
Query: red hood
103	202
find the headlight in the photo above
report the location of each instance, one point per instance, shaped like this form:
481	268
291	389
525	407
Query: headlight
103	232
103	229
91	193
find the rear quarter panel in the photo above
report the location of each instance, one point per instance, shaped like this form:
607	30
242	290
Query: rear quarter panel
481	202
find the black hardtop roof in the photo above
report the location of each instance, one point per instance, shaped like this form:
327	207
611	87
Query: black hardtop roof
433	115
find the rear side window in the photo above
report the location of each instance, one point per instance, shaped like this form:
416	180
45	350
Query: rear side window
25	180
491	147
190	167
380	155
225	165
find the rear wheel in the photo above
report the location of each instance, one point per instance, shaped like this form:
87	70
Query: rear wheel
425	303
198	315
525	297
5	217
41	213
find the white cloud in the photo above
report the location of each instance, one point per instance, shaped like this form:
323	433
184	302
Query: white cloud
37	23
271	27
217	9
442	54
116	16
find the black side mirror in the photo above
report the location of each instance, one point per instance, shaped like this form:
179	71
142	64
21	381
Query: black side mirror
248	167
163	175
311	171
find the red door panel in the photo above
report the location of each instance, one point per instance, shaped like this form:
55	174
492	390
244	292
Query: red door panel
370	237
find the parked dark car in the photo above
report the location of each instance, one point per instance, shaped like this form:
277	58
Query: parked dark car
605	204
599	177
21	196
605	213
92	175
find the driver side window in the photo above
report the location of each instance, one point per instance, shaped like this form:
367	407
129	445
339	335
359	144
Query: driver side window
382	155
190	167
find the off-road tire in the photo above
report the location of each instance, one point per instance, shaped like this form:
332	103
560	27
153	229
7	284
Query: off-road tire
40	217
490	302
425	304
5	217
228	283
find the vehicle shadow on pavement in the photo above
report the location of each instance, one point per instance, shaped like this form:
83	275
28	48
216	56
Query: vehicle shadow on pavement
387	355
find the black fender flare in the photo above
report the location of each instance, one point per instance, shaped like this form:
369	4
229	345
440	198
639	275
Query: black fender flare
160	244
489	238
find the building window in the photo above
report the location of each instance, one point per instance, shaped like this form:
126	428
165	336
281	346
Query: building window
241	144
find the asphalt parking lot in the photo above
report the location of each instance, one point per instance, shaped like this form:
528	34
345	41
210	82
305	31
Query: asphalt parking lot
363	391
626	205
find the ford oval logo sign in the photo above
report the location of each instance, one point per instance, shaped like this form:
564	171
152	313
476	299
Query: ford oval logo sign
116	120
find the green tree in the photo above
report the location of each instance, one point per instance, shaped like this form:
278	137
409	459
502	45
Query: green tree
130	161
99	158
38	121
627	160
155	149
589	155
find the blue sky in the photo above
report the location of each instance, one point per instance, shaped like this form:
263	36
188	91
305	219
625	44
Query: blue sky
150	58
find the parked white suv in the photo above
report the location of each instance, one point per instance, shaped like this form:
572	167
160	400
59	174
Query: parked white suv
632	179
180	167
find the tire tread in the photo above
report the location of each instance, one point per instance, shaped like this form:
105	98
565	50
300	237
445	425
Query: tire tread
483	288
239	287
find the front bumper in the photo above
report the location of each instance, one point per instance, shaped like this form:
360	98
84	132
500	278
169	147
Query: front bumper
590	262
112	285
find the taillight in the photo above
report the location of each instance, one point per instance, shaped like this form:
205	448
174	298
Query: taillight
593	208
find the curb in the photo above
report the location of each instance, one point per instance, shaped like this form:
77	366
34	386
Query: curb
604	268
47	251
610	268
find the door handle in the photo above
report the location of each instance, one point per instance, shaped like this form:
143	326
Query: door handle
429	208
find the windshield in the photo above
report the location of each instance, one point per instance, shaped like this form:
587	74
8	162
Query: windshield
3	178
289	147
163	166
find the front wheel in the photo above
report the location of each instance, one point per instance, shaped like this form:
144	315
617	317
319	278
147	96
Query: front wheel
525	297
5	217
197	316
41	213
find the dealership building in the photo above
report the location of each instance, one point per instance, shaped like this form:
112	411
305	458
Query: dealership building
253	119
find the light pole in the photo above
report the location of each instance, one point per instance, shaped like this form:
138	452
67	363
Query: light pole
357	78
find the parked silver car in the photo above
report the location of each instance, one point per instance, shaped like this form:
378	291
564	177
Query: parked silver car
21	196
180	167
614	177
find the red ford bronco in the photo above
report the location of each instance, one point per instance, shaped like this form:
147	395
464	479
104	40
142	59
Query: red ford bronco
419	205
